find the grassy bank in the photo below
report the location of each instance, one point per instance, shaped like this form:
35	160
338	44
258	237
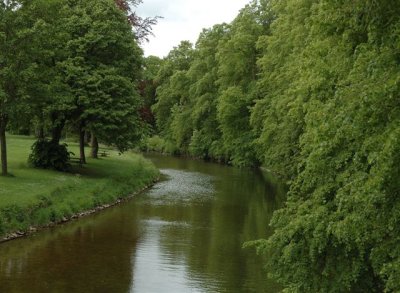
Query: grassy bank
33	197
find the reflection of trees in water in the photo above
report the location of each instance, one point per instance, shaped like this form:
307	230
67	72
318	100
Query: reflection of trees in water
211	242
204	235
90	255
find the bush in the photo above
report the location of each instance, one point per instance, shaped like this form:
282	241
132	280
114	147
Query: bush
50	155
159	145
155	144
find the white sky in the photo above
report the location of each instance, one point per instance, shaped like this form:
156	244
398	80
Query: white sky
184	20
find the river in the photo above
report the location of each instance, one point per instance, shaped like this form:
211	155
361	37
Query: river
183	235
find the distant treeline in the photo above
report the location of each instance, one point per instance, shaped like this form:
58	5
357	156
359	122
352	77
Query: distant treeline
311	90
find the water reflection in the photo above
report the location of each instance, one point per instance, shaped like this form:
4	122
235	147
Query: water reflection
90	255
184	235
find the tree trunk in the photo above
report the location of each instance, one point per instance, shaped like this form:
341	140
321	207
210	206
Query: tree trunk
3	146
40	133
82	144
56	132
87	138
95	147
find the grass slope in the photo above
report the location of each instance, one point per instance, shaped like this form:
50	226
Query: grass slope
33	197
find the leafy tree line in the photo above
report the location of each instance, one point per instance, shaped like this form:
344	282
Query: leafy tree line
204	94
310	89
70	65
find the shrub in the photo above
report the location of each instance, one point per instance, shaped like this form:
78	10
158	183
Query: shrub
50	155
155	144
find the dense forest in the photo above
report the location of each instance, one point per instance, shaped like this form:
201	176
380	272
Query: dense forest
311	91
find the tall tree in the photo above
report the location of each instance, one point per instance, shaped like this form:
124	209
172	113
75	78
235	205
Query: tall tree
206	139
101	69
172	84
13	61
237	75
338	231
278	116
148	87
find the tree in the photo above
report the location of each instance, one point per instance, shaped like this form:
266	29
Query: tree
142	26
172	84
237	75
338	231
101	69
30	51
206	139
13	61
148	87
310	89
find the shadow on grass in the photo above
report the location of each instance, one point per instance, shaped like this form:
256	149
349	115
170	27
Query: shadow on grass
9	175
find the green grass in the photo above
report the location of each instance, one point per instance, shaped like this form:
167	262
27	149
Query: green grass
34	197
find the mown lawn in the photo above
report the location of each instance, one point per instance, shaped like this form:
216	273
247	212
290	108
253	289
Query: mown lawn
33	197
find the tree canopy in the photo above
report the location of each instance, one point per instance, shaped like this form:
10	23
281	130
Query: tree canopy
70	65
310	90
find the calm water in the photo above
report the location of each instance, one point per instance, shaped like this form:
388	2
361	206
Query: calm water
183	235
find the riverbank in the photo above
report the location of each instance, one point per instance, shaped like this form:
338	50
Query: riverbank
31	199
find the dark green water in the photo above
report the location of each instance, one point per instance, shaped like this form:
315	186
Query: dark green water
183	235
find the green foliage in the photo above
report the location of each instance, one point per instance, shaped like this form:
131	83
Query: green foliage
237	74
337	232
309	89
160	145
102	69
172	84
50	155
148	87
233	117
204	95
70	64
154	144
206	141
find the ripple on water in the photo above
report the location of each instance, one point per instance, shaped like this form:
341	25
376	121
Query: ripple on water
182	187
161	223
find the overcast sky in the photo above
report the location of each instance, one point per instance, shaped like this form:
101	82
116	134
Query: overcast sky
184	20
